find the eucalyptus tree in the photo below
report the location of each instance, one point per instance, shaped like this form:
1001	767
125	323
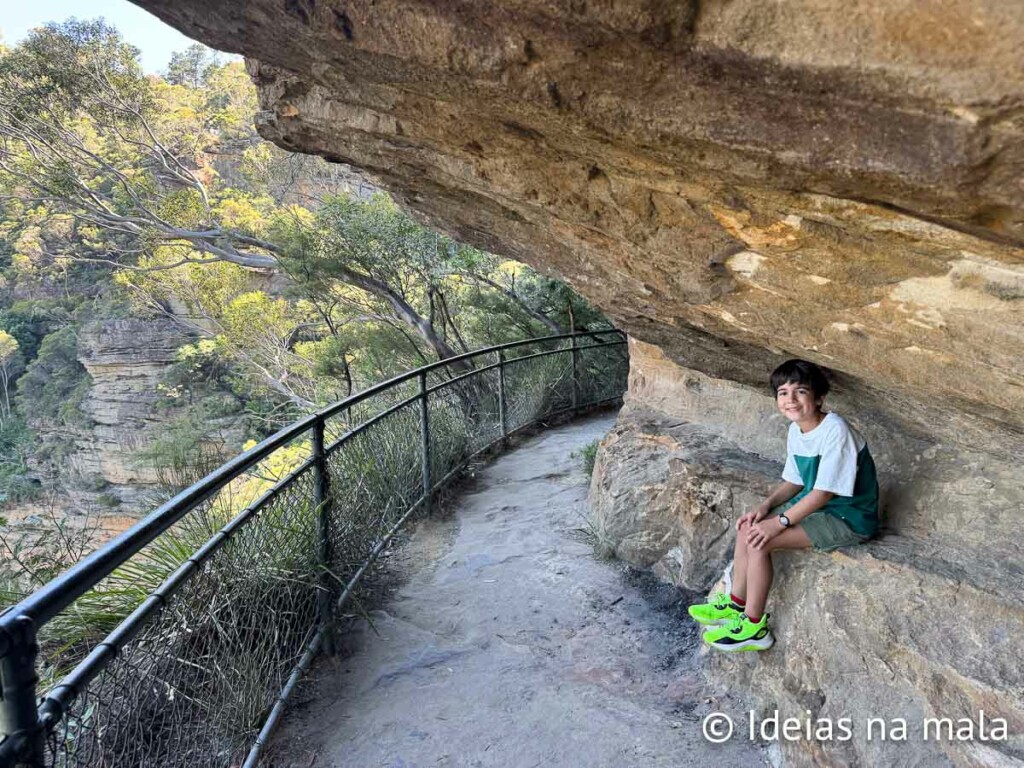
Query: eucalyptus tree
11	364
193	66
84	134
130	171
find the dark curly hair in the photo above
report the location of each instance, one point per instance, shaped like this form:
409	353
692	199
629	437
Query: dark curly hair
800	372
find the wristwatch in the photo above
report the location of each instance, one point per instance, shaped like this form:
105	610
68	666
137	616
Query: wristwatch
785	521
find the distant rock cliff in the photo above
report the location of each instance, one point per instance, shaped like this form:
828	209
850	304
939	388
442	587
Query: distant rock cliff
126	360
104	472
735	183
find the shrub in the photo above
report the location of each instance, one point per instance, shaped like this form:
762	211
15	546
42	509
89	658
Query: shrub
108	500
15	443
185	451
55	383
589	455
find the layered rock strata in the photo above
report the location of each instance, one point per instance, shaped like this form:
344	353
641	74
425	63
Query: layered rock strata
735	183
127	361
107	475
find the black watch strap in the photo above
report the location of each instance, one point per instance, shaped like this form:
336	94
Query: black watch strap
785	521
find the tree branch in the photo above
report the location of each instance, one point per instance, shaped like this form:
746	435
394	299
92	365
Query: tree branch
536	314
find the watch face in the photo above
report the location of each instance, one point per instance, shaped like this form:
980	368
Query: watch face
784	520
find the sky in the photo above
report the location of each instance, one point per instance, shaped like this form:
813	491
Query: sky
156	40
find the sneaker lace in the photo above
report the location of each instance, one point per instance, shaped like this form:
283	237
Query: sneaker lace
736	622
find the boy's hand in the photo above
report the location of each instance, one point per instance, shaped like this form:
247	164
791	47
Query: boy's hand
756	515
761	533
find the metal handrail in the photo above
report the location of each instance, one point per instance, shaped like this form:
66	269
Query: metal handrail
46	602
22	721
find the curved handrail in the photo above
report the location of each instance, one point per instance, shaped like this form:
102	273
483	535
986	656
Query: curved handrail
22	721
49	600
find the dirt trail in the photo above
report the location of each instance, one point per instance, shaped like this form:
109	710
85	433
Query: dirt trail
510	644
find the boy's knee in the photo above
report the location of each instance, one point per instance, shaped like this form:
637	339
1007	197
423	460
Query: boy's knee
741	542
754	552
773	545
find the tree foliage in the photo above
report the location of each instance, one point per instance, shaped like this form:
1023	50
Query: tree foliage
55	383
192	67
11	363
127	194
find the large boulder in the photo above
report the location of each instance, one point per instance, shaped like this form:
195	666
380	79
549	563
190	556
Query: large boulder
666	496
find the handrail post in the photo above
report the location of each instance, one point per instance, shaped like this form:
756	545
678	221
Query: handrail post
322	505
575	376
425	442
502	416
19	717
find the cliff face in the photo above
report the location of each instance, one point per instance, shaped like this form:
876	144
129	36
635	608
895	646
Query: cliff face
106	473
126	360
735	183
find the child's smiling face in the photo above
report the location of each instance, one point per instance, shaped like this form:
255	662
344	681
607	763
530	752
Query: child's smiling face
797	403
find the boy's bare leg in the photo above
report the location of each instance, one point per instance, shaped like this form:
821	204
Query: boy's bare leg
758	565
739	563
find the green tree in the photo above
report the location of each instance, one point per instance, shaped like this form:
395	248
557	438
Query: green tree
192	66
55	383
85	135
11	364
131	173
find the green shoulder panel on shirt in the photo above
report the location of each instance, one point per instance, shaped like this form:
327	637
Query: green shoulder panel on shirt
859	511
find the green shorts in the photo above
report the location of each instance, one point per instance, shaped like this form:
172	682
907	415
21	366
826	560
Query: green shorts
826	532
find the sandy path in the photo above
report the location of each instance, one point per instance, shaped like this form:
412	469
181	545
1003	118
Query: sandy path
510	644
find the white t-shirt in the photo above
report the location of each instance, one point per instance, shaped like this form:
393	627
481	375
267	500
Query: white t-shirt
835	445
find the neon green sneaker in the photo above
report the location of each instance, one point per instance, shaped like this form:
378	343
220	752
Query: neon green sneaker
716	612
741	634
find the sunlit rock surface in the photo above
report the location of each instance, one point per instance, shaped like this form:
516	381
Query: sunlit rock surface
104	470
734	183
126	361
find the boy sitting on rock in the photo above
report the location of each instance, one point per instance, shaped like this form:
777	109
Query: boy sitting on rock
832	490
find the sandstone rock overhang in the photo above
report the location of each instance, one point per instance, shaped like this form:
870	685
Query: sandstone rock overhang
733	182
